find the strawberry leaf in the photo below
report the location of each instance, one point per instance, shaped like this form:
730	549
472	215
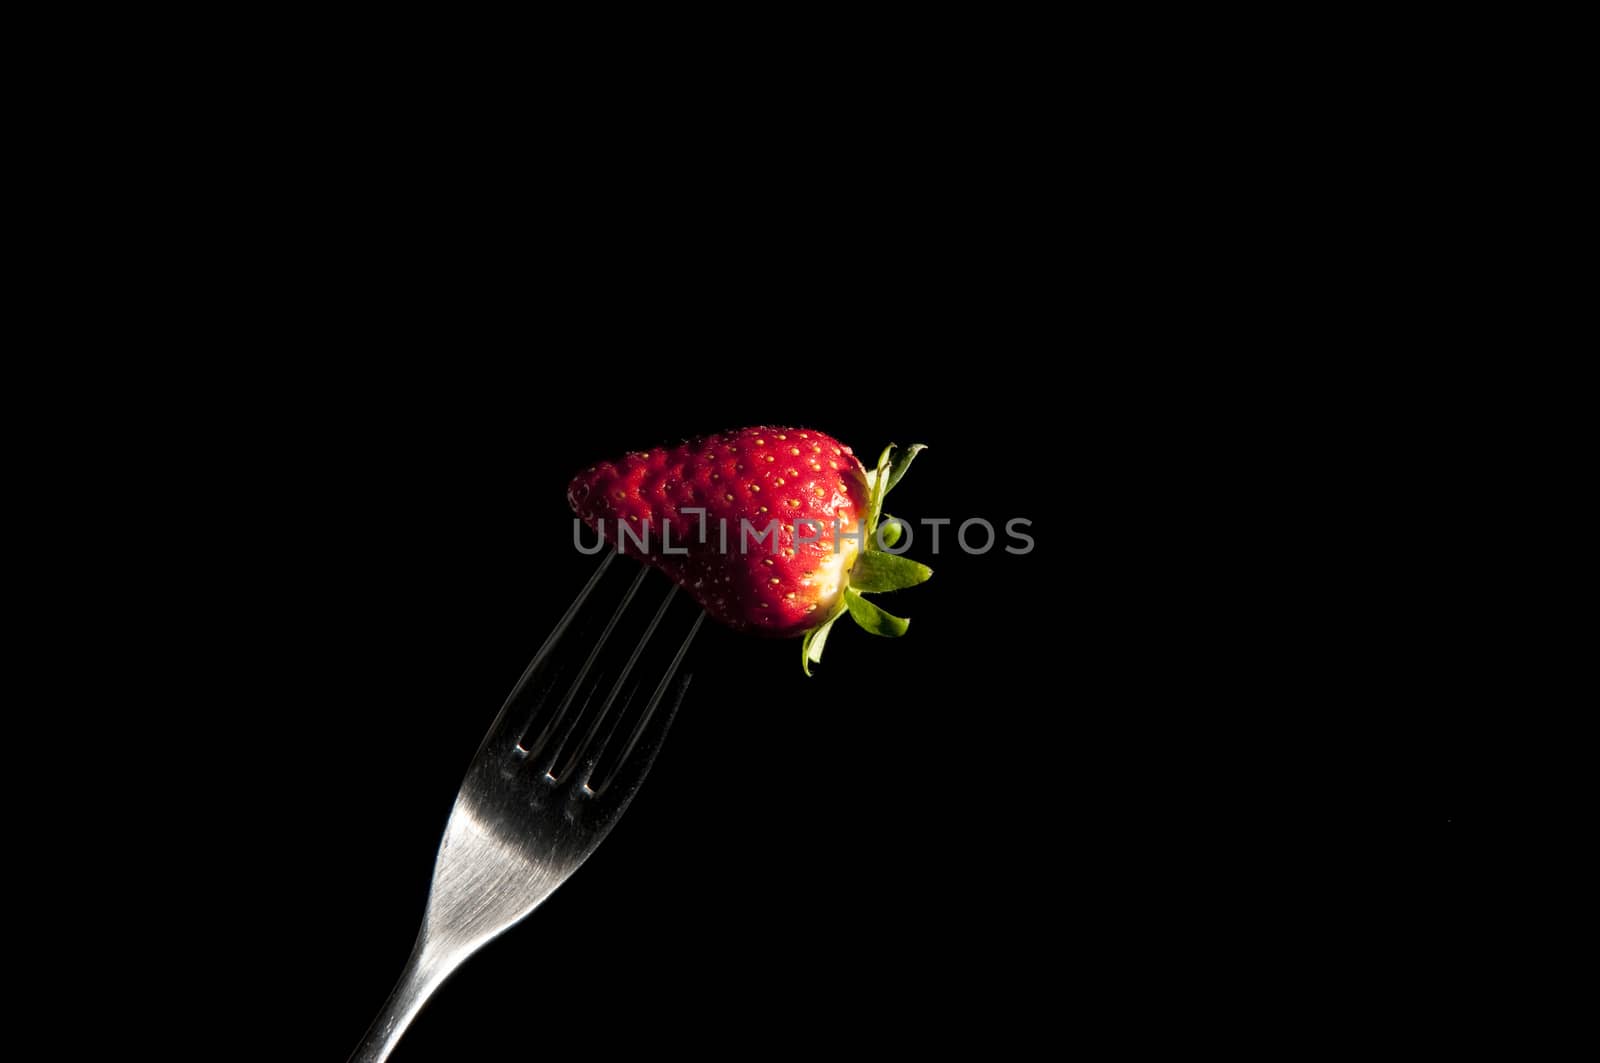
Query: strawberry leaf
873	619
902	462
883	459
815	639
891	529
876	571
880	487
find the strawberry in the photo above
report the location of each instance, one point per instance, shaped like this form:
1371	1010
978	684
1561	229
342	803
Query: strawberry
772	530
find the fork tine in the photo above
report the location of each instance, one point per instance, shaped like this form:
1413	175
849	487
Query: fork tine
621	762
577	683
566	760
513	718
561	626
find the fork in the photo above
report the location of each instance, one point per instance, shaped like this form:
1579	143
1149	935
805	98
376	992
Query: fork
557	769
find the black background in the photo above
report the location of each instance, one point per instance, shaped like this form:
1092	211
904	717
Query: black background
328	538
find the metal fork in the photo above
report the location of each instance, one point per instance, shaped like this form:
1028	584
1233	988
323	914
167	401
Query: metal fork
558	767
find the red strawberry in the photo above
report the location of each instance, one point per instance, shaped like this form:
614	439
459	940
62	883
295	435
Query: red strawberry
762	556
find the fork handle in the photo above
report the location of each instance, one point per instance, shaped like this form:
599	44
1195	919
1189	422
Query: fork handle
424	972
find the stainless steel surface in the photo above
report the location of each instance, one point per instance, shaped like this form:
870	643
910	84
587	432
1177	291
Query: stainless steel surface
556	770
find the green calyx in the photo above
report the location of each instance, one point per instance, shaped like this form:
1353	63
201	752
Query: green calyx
875	570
